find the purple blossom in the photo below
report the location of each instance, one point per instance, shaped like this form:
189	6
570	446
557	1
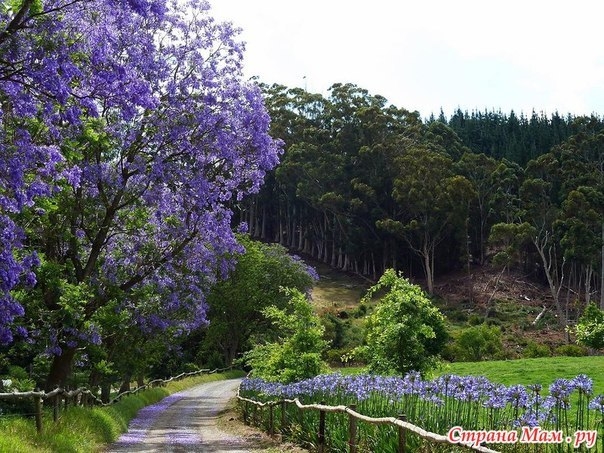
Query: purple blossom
583	383
146	117
597	404
561	389
518	396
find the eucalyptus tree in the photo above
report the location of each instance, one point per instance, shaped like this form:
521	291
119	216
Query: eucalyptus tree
479	170
582	191
155	134
434	204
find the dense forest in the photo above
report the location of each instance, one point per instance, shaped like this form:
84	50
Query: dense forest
365	186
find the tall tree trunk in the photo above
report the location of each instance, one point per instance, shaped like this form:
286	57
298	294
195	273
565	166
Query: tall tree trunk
263	227
60	369
548	259
428	270
589	270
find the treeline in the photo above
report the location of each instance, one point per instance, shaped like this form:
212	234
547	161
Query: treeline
516	138
366	186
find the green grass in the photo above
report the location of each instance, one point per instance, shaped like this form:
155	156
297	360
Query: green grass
336	290
542	371
88	430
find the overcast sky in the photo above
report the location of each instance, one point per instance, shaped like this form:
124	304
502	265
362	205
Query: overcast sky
426	55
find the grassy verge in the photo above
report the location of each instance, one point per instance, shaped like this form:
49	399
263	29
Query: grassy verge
88	430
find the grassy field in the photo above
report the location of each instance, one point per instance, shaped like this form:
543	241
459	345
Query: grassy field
86	430
542	371
533	371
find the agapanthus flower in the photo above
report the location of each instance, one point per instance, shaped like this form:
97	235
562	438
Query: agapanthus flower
597	404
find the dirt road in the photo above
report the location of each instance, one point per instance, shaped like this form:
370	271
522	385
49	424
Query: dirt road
184	422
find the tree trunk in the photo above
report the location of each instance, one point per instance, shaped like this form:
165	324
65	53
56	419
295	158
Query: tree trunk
105	392
231	351
551	273
588	276
60	369
428	270
125	387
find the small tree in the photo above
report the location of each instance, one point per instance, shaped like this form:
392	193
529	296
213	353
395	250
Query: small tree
590	328
296	355
405	332
236	303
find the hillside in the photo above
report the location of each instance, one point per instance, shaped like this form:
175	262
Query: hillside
509	300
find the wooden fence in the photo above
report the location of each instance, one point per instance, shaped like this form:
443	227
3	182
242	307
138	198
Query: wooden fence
353	418
85	397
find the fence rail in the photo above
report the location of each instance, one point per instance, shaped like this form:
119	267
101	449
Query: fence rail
85	397
354	416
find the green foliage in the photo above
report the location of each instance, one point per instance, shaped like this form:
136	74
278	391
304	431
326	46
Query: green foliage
509	239
590	328
296	355
534	349
478	343
571	350
236	304
406	331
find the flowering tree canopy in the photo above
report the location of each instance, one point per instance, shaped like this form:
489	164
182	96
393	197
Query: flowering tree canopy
132	120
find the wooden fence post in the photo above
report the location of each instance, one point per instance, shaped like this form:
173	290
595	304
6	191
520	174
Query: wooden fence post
283	407
352	430
301	417
55	409
255	416
321	437
402	436
38	409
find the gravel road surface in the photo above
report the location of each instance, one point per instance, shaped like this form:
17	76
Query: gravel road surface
184	422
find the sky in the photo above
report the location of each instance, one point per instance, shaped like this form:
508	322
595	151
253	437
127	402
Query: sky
428	55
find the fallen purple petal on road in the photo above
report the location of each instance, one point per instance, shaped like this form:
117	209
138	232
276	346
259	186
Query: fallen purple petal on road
138	427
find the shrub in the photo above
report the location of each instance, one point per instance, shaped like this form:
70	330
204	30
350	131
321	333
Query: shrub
478	343
405	331
571	350
533	350
590	328
297	355
475	320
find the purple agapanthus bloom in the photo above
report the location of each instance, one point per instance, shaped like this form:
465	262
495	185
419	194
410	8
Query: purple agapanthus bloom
597	404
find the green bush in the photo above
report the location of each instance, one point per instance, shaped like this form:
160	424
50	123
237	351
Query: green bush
478	343
405	331
361	310
297	353
590	328
571	350
533	350
475	320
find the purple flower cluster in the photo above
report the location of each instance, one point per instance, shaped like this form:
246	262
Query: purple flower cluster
489	404
144	132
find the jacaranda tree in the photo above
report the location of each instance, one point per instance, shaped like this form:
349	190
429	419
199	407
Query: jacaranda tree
136	122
